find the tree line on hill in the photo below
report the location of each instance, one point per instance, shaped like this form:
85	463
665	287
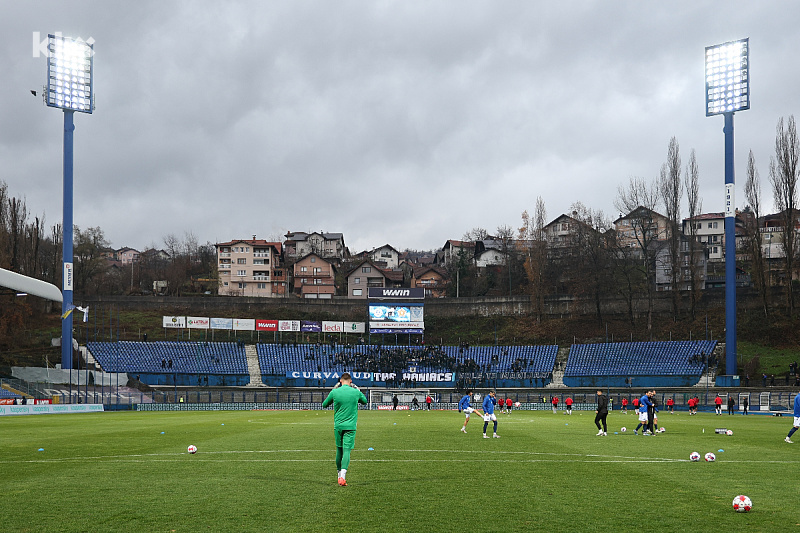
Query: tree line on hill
591	262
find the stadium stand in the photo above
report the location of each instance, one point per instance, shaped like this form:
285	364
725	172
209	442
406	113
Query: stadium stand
170	357
280	358
5	393
667	363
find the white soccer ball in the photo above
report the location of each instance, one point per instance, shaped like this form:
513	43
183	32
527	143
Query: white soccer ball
694	457
192	448
742	504
623	429
729	432
661	430
517	404
710	457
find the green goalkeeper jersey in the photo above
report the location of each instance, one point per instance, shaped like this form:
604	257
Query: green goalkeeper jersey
345	400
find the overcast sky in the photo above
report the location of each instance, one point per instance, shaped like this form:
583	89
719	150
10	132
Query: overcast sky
400	122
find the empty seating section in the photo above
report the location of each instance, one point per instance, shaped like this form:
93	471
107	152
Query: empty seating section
4	393
170	357
669	358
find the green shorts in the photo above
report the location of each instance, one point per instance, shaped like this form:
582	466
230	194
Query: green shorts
345	438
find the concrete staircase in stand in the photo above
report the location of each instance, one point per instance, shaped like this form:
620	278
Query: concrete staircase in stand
253	367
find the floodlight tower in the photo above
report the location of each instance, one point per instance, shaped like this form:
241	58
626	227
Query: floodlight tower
70	84
728	91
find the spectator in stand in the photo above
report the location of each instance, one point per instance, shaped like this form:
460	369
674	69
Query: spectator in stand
718	405
509	403
764	379
624	405
568	403
428	401
731	404
772	380
670	405
745	403
554	401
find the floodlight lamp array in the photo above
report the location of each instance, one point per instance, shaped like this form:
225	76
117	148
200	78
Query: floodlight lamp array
69	74
727	77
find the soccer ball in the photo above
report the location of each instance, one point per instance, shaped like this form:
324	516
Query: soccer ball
694	457
710	457
742	504
623	429
661	430
729	432
192	448
517	404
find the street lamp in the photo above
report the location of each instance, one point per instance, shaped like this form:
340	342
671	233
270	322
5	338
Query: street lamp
728	91
70	86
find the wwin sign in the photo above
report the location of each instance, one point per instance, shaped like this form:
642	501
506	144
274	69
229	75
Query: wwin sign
386	293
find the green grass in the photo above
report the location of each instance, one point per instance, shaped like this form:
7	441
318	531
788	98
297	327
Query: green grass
274	471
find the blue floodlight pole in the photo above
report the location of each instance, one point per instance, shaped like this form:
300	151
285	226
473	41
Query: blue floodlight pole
727	91
67	282
730	251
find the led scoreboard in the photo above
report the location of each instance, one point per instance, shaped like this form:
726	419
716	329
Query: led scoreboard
396	310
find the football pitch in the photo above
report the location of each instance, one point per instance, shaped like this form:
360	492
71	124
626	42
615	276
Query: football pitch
410	471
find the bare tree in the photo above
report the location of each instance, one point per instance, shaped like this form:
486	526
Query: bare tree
752	194
475	234
692	184
783	174
639	200
590	255
505	235
671	189
535	262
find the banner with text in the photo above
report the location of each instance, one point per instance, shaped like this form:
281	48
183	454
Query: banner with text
266	325
174	321
310	326
197	322
244	324
332	327
288	325
221	323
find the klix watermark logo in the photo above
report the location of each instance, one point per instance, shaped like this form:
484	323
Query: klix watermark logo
41	45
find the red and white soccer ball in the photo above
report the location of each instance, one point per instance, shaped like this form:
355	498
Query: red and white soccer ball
694	457
742	504
192	448
662	429
623	429
517	404
710	457
729	432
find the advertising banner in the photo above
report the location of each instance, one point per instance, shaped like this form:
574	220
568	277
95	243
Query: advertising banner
332	327
174	321
296	374
396	325
397	330
396	312
310	326
354	327
244	324
197	322
44	409
288	325
266	325
221	323
387	293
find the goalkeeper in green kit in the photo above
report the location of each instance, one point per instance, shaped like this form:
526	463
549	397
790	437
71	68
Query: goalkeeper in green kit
345	398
